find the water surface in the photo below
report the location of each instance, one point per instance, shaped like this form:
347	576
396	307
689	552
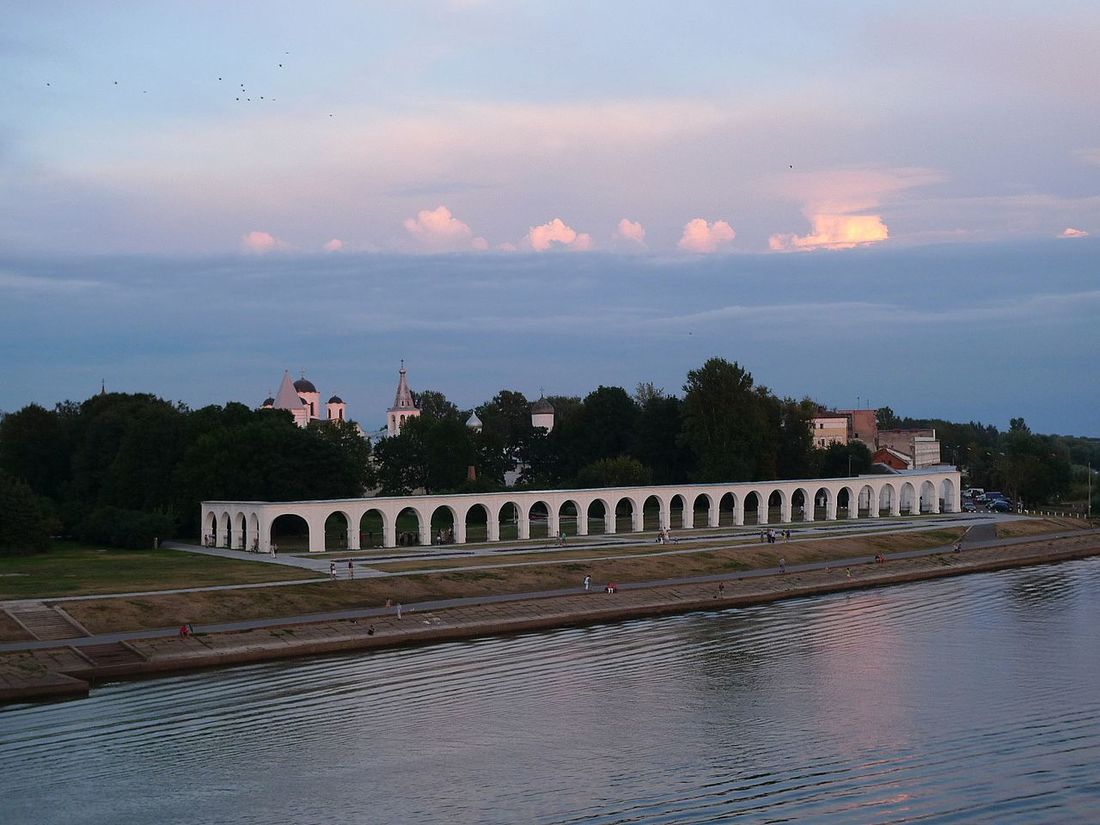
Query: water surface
974	699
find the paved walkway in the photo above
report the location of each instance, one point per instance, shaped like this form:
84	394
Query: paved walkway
979	539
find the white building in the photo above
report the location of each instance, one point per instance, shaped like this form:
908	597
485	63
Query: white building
303	402
404	406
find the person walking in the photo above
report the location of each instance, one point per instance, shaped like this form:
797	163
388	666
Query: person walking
399	610
848	572
587	582
332	570
782	565
351	569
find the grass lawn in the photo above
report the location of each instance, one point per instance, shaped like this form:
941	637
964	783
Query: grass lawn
75	570
168	610
1030	527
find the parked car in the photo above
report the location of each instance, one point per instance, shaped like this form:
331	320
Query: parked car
1000	505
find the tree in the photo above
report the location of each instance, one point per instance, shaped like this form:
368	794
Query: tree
645	392
24	524
434	404
795	453
607	422
614	472
430	454
844	460
656	440
885	418
723	422
34	447
507	417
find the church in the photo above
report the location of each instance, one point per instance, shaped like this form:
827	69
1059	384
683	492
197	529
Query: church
303	401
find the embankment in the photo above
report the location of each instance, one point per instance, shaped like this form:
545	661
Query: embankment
71	671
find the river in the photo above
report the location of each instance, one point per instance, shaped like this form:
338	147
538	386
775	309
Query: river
971	699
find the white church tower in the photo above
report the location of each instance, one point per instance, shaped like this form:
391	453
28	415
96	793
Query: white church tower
542	414
404	407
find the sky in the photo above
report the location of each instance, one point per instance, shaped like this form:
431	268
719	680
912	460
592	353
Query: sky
865	203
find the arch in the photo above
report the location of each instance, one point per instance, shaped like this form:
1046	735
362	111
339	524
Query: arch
409	527
867	500
510	518
337	530
210	528
707	514
778	507
442	524
569	518
886	503
539	516
752	507
373	527
599	520
226	535
624	516
290	531
824	504
654	513
679	513
240	537
847	499
727	509
929	501
475	523
907	499
802	505
254	533
949	502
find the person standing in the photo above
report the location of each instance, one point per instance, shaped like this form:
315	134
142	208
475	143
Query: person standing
351	569
332	570
587	582
399	610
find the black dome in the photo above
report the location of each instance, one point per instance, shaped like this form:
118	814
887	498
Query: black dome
336	400
304	385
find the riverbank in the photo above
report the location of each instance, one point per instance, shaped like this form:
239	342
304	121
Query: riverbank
70	670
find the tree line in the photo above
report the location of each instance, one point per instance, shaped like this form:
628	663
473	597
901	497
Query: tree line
123	469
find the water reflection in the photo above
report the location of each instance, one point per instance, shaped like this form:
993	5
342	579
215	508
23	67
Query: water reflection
968	699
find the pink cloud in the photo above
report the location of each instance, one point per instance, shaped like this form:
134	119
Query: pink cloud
702	237
260	242
831	198
335	245
439	229
1070	232
631	231
834	232
557	233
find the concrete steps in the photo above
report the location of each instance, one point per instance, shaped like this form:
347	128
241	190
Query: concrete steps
45	622
112	654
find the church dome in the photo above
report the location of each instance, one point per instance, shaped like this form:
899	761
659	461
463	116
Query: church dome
336	400
304	385
542	407
269	402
